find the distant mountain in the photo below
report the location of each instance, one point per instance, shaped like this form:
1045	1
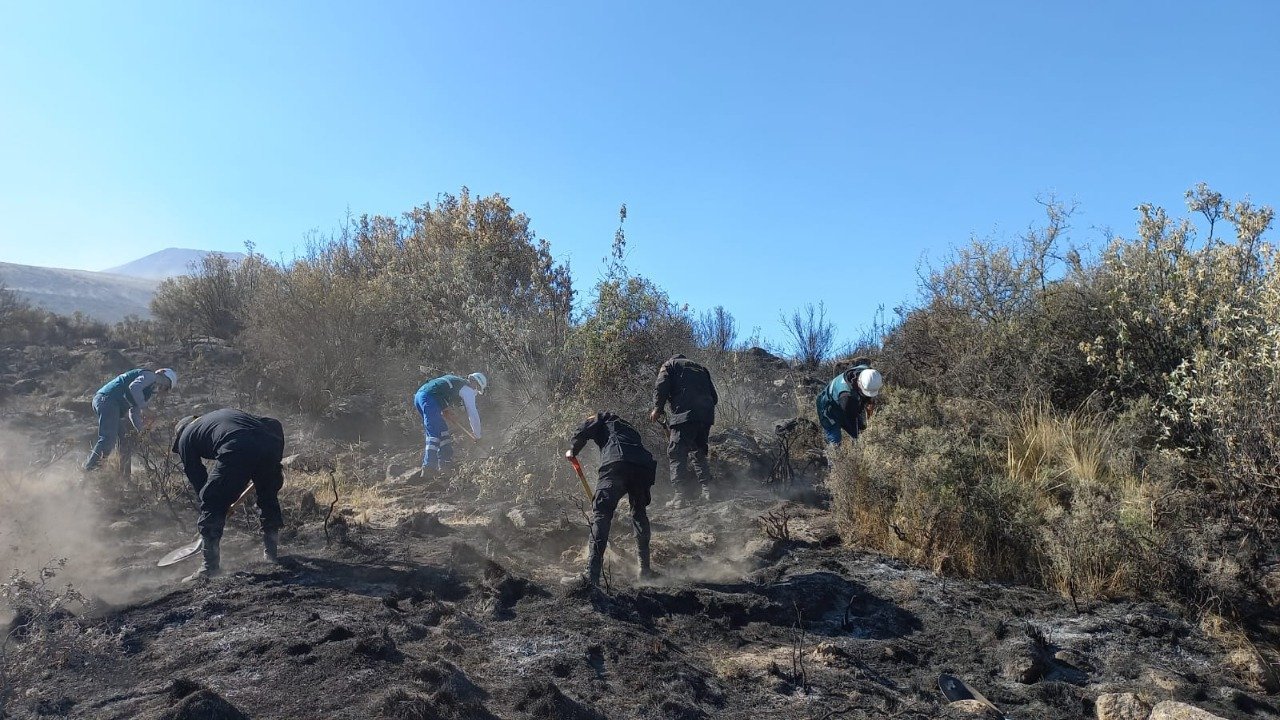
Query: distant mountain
101	296
168	263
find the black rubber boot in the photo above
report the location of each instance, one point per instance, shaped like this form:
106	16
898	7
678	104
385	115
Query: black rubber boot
646	572
595	564
210	564
270	544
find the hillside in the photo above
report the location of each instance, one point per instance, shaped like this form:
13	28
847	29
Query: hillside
429	600
168	263
101	296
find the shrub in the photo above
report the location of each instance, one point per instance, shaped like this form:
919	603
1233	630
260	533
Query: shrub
1033	496
1000	321
811	334
716	330
213	298
630	329
23	324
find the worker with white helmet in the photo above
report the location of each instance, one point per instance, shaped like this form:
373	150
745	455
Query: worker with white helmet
848	400
434	399
128	394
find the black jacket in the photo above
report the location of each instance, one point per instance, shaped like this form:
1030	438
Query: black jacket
617	439
688	387
221	433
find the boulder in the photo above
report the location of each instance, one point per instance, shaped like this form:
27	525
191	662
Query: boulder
766	358
1121	706
1024	661
25	387
1171	710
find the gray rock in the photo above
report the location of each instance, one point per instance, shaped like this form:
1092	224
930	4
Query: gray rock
1024	661
523	517
1121	706
971	709
25	387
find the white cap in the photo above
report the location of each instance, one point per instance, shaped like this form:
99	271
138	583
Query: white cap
169	373
870	382
480	380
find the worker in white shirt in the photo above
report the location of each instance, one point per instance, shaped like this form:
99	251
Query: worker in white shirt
433	400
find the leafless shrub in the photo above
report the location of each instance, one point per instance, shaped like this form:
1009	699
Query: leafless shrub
716	330
811	334
799	677
776	524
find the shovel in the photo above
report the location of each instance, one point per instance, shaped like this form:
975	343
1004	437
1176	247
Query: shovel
196	545
953	688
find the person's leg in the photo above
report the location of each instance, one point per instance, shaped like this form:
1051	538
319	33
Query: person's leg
638	495
700	436
268	478
227	480
437	432
108	430
446	447
602	508
678	448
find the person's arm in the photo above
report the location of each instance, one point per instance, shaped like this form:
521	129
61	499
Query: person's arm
851	413
662	389
192	464
138	398
473	415
586	431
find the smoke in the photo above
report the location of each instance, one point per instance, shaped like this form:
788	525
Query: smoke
50	514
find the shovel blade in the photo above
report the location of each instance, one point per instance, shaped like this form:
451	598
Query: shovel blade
953	688
182	553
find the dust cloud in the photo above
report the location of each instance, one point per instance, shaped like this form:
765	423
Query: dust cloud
48	515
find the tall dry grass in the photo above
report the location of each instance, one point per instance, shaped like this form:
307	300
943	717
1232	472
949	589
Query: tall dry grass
1036	495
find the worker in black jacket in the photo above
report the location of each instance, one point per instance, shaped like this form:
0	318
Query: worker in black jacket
687	386
626	469
245	448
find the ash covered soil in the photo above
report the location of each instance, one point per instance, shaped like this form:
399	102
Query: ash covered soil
428	604
432	608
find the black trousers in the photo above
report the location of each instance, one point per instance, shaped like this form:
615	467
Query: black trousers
256	461
687	446
618	480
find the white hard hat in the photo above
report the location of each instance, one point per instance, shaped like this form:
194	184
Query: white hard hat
169	373
480	380
870	382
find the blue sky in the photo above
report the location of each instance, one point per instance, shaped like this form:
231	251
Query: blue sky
770	154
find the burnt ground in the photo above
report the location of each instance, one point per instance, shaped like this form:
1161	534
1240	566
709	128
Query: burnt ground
434	609
428	604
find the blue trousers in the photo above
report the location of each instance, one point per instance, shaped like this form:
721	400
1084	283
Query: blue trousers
110	411
439	452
